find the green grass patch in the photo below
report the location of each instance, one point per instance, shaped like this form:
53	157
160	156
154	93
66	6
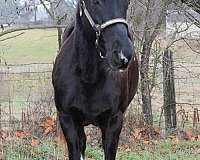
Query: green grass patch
22	150
163	150
32	46
94	153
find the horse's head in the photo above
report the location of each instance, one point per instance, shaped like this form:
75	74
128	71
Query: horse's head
105	20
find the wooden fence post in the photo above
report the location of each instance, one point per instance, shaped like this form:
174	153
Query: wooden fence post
169	91
196	118
0	118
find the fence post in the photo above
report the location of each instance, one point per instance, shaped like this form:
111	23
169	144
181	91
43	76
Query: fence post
196	118
169	91
10	113
0	118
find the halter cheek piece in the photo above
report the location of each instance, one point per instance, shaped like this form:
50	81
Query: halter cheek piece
98	28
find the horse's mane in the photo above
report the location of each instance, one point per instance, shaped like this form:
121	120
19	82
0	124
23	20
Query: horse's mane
68	30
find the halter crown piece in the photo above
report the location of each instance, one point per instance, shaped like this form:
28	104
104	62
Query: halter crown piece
98	28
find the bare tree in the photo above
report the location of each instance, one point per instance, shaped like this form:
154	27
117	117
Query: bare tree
9	11
57	10
153	15
147	19
61	13
194	4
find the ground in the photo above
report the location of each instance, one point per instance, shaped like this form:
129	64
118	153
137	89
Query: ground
158	150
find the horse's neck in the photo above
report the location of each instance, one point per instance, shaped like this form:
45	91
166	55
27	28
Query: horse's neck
88	60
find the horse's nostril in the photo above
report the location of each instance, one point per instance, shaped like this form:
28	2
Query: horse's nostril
119	59
115	52
124	62
116	57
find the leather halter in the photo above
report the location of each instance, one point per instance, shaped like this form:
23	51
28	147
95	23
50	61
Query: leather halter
98	28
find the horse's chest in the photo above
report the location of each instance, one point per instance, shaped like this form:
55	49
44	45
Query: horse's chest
96	100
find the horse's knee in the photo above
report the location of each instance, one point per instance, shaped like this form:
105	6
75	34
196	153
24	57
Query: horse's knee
66	121
116	121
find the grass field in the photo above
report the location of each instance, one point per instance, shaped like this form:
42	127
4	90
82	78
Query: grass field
41	46
32	46
163	150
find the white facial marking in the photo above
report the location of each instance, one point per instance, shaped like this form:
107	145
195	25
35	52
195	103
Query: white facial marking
123	57
81	158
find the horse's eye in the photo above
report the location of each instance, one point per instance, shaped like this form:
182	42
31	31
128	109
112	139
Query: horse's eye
96	2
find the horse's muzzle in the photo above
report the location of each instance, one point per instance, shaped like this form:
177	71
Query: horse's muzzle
119	60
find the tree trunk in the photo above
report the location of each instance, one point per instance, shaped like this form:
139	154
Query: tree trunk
59	34
35	14
169	91
145	87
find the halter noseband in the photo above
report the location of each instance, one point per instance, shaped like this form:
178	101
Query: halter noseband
98	28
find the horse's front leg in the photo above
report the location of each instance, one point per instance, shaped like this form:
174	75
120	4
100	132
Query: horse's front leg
110	135
69	128
82	141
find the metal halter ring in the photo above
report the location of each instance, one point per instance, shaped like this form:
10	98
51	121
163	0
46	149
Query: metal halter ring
98	34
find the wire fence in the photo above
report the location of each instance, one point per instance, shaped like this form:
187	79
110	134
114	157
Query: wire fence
26	94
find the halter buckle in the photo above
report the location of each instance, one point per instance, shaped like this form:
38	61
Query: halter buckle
98	34
101	56
81	12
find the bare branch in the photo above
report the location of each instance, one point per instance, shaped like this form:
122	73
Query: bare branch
194	4
47	10
1	40
29	28
161	18
192	19
198	52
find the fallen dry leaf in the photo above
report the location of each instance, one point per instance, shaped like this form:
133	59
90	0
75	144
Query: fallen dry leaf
189	136
21	134
146	133
2	157
49	125
146	142
35	142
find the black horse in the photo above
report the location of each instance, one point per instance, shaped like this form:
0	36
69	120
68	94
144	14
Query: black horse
95	75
